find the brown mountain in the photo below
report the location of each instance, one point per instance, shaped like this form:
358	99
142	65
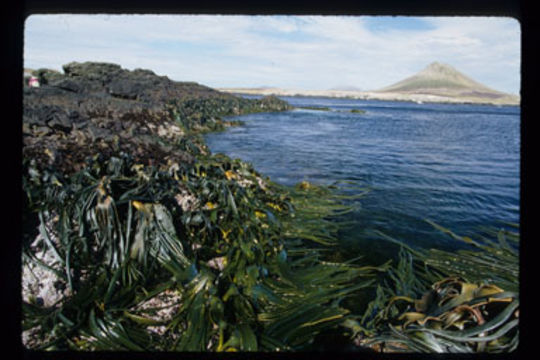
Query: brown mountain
443	80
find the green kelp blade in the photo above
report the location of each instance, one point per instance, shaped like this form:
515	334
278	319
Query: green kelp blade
139	319
232	203
197	334
248	340
112	285
299	325
502	240
485	338
110	336
268	343
46	237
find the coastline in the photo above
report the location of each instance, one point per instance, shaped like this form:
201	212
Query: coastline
125	177
374	95
151	219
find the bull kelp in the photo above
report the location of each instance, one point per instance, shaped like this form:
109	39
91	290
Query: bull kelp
137	238
122	235
439	301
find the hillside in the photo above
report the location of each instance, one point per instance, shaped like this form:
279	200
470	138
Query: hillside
437	83
445	81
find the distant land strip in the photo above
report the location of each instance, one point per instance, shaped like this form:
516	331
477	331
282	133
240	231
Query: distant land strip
375	95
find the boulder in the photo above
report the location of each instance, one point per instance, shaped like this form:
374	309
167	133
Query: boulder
126	88
92	70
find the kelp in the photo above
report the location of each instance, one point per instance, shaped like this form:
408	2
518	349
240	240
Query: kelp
439	301
234	262
203	114
316	108
495	257
317	210
243	266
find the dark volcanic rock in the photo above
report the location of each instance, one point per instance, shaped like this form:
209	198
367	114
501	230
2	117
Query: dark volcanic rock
92	70
126	89
67	84
102	108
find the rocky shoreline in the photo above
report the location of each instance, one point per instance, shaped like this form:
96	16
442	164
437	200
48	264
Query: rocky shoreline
97	112
132	229
101	106
137	238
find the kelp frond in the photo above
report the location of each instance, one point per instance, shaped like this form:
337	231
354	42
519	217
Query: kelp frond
472	307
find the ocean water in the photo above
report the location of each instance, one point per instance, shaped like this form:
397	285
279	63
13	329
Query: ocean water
456	165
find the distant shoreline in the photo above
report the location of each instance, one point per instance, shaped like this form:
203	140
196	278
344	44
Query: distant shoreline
373	95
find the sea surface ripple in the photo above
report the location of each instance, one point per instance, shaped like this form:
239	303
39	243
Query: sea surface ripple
456	165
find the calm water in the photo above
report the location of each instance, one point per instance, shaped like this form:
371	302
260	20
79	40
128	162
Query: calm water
457	165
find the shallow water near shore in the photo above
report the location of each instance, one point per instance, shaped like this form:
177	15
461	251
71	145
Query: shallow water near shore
456	165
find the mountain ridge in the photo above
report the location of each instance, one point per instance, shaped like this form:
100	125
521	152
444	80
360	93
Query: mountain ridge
441	79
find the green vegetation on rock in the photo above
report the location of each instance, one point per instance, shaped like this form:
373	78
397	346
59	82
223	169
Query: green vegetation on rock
318	108
358	111
206	257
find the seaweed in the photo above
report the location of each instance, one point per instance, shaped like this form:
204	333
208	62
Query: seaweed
235	260
439	301
137	238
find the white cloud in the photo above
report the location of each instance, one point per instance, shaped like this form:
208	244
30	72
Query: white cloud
286	51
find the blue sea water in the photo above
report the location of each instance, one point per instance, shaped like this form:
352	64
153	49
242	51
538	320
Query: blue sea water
456	165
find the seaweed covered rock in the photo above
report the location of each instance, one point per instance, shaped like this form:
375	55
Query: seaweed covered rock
73	126
101	108
126	212
130	217
273	103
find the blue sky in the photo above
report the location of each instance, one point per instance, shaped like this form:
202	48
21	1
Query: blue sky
294	52
403	23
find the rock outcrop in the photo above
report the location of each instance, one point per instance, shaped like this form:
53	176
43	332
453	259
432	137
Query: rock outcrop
100	108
